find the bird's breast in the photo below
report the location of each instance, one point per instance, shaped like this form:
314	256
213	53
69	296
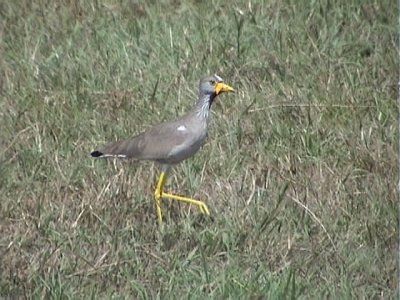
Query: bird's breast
192	144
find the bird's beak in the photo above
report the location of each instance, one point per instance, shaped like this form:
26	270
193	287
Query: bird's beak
221	87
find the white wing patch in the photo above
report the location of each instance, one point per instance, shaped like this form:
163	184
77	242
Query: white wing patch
182	128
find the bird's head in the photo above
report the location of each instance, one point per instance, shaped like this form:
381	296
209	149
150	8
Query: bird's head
213	86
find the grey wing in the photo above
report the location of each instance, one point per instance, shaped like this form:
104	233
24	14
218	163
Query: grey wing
156	143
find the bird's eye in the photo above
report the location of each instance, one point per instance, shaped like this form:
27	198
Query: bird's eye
212	81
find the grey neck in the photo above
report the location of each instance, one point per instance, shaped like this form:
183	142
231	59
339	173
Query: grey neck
203	106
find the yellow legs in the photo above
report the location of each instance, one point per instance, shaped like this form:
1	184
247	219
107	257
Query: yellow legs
159	194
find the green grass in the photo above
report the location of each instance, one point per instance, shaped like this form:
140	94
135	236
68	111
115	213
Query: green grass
299	171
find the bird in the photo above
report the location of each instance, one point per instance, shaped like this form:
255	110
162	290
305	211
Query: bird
169	143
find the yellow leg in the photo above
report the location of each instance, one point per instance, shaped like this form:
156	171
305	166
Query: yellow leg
159	194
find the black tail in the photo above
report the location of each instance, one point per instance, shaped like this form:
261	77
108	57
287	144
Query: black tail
96	154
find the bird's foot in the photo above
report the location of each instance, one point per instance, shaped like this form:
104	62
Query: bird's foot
203	208
200	204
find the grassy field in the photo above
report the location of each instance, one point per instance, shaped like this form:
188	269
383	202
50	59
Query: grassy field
299	171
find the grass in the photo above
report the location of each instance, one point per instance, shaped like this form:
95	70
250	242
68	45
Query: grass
299	171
